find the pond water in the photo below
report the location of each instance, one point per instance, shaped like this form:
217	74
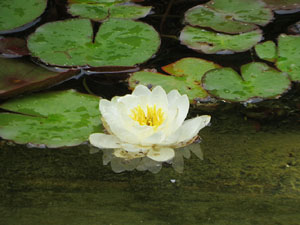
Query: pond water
250	173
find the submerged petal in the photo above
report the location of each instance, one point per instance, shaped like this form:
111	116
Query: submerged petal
100	140
161	154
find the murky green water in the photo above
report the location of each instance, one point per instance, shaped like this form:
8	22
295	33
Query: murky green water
250	175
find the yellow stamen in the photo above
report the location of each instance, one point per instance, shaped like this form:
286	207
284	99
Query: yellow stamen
154	117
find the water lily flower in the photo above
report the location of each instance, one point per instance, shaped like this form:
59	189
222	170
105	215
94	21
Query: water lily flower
147	123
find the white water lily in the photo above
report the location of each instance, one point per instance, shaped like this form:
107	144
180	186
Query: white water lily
147	123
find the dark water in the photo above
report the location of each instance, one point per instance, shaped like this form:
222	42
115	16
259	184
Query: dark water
250	173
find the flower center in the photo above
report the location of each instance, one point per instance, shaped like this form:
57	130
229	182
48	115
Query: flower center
154	117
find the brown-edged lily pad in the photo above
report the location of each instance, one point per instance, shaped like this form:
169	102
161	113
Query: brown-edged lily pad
13	47
184	75
18	76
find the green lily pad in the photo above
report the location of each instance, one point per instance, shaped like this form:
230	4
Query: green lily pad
17	13
119	42
18	76
288	55
103	11
283	4
185	76
258	80
210	42
230	16
267	51
55	119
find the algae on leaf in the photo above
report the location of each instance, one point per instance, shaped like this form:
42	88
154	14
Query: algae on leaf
288	55
267	51
230	16
54	119
185	76
258	80
14	14
210	42
101	11
119	42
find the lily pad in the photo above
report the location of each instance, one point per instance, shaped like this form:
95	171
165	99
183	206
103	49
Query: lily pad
18	76
283	4
55	119
210	42
230	16
267	51
17	13
288	55
100	11
258	80
185	76
13	47
119	42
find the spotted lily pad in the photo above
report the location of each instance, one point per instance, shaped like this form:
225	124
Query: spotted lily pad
210	42
258	80
15	14
18	76
119	42
185	76
55	119
287	58
266	51
288	55
230	16
101	10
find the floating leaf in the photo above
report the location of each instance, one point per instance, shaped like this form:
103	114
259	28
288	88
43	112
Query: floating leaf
103	11
70	43
13	47
283	4
266	51
187	74
18	76
230	16
210	42
258	80
288	55
56	119
17	13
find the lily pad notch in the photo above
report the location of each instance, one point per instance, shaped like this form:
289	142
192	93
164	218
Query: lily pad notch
118	42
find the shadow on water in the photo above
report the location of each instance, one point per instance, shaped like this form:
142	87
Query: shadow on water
250	173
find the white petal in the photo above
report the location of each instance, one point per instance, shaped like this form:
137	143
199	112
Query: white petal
104	141
112	113
159	98
181	108
155	139
161	154
188	130
134	147
141	90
